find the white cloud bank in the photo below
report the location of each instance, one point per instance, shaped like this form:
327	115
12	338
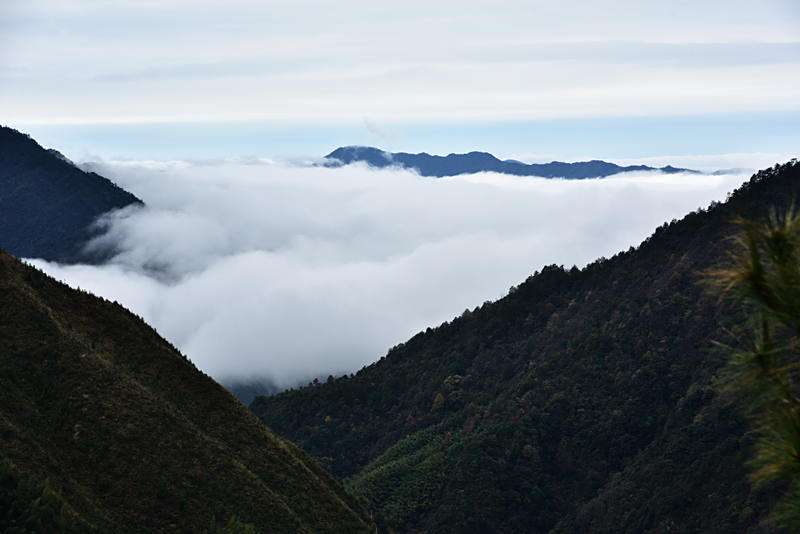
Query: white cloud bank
265	270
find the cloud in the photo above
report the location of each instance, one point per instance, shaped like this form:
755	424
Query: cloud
124	62
259	270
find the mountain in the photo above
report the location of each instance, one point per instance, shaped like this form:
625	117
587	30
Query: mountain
105	427
455	164
247	390
47	204
583	401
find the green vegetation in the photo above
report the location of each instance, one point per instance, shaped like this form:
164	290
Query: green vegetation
765	274
27	507
406	479
235	526
106	427
584	401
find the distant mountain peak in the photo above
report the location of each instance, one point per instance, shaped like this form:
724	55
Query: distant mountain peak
477	161
352	154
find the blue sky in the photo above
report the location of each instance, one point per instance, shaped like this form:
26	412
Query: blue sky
535	80
737	139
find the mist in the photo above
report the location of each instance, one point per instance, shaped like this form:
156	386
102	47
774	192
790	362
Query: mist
259	270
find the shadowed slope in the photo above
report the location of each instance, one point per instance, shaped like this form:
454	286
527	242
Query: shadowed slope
130	434
582	401
47	204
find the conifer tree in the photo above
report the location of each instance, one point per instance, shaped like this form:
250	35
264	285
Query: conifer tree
765	275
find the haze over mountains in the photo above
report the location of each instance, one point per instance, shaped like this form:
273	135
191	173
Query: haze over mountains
582	401
357	255
474	162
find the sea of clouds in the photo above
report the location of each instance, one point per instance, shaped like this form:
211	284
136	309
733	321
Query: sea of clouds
259	270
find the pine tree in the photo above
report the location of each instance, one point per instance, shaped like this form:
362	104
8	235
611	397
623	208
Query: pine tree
765	275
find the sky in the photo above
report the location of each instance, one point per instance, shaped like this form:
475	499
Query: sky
535	80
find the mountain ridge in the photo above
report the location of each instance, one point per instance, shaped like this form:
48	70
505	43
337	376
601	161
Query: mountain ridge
472	162
582	401
47	203
106	427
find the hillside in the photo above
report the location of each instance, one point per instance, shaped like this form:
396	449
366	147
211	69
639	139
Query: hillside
106	427
46	203
582	401
455	164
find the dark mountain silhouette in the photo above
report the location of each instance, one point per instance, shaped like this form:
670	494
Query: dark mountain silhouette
581	402
47	204
105	427
455	164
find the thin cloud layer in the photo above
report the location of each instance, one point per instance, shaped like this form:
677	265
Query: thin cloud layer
259	270
320	62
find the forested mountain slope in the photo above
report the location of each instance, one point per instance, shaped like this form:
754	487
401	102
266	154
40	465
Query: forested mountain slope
472	162
46	203
582	401
106	427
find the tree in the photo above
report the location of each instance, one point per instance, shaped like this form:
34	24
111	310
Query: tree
236	526
765	275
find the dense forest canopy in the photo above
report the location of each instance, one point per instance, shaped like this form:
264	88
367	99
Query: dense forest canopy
582	401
